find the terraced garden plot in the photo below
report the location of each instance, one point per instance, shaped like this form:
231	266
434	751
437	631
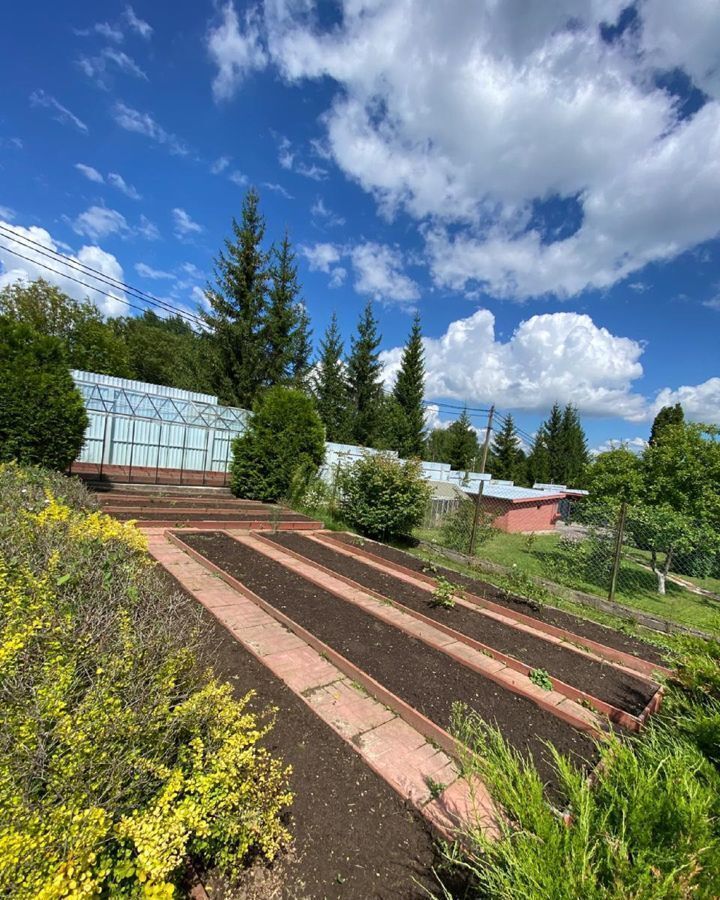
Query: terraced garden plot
619	688
583	627
422	676
353	836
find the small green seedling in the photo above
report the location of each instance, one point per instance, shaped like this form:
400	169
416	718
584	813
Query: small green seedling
444	593
435	787
541	678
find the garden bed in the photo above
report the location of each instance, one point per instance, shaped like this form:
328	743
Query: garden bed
549	614
423	677
614	686
352	835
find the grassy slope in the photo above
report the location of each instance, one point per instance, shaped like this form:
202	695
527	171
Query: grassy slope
636	588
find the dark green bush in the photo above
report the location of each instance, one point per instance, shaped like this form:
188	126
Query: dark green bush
42	416
383	497
285	437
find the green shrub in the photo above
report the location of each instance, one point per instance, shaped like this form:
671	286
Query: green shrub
121	757
42	416
645	827
285	438
383	497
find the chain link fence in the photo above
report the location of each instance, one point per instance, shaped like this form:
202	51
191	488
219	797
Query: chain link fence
621	553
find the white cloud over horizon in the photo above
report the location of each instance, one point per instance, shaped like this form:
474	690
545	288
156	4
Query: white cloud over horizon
470	125
563	357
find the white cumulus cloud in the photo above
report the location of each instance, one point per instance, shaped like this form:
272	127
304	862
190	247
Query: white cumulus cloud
475	120
562	357
184	225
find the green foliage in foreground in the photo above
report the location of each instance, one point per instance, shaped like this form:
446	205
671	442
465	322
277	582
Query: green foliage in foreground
285	437
382	496
42	416
645	828
121	757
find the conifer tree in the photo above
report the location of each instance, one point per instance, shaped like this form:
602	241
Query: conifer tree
462	443
281	321
507	456
238	303
301	350
538	461
575	456
409	392
330	386
363	370
668	415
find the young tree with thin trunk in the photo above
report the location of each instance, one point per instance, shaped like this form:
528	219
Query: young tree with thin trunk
238	303
363	370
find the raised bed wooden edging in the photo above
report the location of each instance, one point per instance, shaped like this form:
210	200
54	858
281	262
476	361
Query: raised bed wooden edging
576	695
615	657
415	719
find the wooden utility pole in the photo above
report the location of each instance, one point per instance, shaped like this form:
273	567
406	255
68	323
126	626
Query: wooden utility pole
481	485
488	433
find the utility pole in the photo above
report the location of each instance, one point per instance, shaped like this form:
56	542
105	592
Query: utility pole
481	484
488	432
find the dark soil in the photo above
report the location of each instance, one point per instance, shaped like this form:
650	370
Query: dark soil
353	836
592	630
424	677
602	681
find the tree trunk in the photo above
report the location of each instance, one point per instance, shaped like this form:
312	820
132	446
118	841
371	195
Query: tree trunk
659	573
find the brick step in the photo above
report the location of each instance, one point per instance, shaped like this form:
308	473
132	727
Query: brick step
262	515
229	524
206	511
551	633
119	504
408	755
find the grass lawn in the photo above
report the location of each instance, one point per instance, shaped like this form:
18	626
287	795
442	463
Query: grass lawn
542	557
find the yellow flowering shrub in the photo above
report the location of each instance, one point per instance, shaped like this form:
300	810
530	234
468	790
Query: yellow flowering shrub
121	756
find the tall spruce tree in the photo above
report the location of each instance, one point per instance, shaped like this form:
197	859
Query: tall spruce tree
409	392
281	320
575	456
507	456
330	386
238	303
668	415
462	444
363	370
538	461
301	347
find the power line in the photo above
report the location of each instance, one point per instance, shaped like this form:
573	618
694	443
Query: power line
77	280
84	269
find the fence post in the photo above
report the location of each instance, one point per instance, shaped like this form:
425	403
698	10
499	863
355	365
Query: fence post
617	552
476	519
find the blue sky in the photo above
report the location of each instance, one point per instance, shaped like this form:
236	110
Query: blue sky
540	179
